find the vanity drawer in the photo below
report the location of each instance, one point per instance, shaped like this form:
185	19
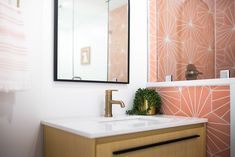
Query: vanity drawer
181	143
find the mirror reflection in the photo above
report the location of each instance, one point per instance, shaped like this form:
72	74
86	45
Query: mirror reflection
92	41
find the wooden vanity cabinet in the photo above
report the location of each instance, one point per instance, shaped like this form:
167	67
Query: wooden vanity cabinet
186	141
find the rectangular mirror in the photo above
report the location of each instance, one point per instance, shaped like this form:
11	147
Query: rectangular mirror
91	41
191	39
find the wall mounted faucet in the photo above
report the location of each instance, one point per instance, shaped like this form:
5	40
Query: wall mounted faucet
109	102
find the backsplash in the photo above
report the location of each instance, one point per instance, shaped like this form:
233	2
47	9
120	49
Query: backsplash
212	102
199	32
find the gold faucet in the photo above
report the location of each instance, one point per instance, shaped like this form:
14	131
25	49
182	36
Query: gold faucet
109	102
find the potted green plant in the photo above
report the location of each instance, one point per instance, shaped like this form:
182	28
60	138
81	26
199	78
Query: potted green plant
146	102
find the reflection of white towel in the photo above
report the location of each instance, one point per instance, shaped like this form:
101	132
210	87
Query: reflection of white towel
14	70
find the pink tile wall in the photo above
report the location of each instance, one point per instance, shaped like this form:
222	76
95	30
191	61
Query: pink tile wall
212	102
201	32
183	32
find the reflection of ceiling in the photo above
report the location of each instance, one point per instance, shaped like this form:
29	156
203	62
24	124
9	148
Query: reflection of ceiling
65	14
82	6
85	10
68	4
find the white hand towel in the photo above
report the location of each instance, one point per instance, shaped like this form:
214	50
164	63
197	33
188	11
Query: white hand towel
14	69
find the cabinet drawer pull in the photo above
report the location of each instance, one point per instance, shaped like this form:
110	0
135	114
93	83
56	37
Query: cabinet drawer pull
119	152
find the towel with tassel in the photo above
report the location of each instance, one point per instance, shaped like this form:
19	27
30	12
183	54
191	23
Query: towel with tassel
14	69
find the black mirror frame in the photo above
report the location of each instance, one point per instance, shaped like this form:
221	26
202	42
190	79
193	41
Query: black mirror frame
56	51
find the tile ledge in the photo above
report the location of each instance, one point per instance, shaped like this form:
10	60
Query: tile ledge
207	82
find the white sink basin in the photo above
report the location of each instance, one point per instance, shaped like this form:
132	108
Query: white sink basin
136	119
125	123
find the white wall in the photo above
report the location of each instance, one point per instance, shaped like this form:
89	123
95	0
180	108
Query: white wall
20	113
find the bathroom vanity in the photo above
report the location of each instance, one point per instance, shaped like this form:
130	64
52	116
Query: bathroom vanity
127	136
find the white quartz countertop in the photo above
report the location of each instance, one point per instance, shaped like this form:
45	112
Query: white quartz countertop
97	127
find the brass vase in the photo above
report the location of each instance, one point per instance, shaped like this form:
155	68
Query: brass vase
145	106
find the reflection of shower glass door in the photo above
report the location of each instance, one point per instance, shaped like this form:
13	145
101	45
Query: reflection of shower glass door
65	39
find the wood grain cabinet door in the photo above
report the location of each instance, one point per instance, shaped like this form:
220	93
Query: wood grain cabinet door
187	143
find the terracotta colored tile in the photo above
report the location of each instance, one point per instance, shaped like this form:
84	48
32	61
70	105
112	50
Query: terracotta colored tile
174	107
226	117
186	108
216	119
222	5
170	95
168	89
202	98
181	113
224	128
166	110
212	146
220	94
220	107
220	142
216	88
187	101
220	100
224	153
205	107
